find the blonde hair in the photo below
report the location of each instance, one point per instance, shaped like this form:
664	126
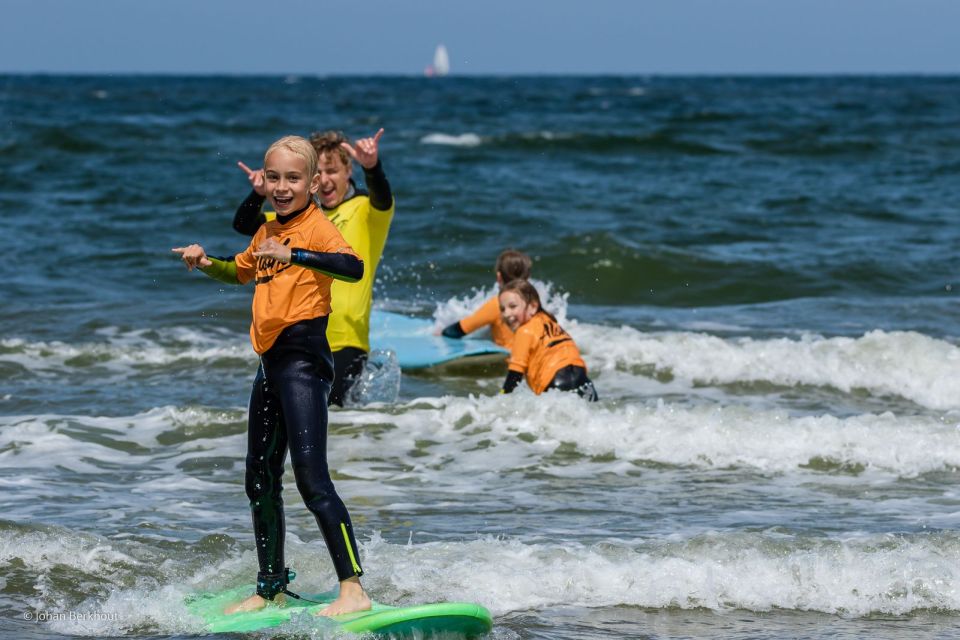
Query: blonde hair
298	146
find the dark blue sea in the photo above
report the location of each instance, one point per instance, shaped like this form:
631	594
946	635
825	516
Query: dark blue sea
761	274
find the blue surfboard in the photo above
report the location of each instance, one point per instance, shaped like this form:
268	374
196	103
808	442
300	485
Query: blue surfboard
412	340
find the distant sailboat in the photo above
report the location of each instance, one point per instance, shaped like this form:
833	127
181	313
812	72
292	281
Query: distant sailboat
441	63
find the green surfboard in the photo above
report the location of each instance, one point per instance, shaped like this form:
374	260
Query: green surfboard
451	619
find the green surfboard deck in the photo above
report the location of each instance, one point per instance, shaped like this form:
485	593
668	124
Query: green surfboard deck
449	618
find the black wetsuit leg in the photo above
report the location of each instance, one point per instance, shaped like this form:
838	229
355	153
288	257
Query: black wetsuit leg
266	452
288	410
348	367
574	378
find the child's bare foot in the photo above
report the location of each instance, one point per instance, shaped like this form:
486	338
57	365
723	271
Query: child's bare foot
252	603
352	598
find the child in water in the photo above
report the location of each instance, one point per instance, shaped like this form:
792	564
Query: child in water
542	351
293	261
511	265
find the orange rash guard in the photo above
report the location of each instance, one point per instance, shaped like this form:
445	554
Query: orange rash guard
541	348
287	293
489	314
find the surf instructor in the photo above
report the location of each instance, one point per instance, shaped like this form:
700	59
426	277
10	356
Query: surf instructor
363	217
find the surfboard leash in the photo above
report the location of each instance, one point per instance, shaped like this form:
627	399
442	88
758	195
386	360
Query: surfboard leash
298	597
271	584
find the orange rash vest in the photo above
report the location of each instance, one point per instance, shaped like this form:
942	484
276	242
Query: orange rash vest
541	348
287	293
489	314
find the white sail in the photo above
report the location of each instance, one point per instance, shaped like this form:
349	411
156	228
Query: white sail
441	61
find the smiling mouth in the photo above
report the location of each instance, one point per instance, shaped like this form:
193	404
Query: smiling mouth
282	201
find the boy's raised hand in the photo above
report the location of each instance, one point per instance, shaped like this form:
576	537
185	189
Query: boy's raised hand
255	176
271	248
365	151
194	256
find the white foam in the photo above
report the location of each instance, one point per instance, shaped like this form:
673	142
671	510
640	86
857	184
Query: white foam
43	550
919	368
757	571
79	442
457	308
487	435
32	443
119	351
461	140
130	570
853	575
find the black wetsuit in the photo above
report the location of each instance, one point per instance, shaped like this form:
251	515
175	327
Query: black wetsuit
569	378
574	378
288	410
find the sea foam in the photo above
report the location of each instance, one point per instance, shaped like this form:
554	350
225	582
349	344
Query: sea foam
720	571
910	365
498	433
460	307
461	140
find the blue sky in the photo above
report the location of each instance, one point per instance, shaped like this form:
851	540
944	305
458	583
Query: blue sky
483	36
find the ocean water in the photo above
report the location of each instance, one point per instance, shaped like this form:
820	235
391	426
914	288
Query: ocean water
761	274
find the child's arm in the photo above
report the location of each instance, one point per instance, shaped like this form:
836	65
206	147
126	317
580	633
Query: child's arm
217	268
519	359
222	269
340	266
248	217
512	380
486	315
454	330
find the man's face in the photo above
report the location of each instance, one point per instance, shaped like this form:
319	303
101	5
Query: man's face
334	179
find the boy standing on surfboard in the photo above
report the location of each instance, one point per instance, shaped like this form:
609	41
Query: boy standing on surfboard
363	217
511	265
293	260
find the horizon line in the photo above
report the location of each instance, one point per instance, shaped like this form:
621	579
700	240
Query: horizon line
493	74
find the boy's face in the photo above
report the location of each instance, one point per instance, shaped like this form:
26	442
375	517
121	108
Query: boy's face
334	179
515	310
286	181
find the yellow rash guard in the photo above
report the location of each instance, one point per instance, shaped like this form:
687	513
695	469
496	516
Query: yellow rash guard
365	230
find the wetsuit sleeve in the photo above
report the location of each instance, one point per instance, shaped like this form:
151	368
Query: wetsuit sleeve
248	217
340	266
512	380
222	269
381	197
486	315
453	331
